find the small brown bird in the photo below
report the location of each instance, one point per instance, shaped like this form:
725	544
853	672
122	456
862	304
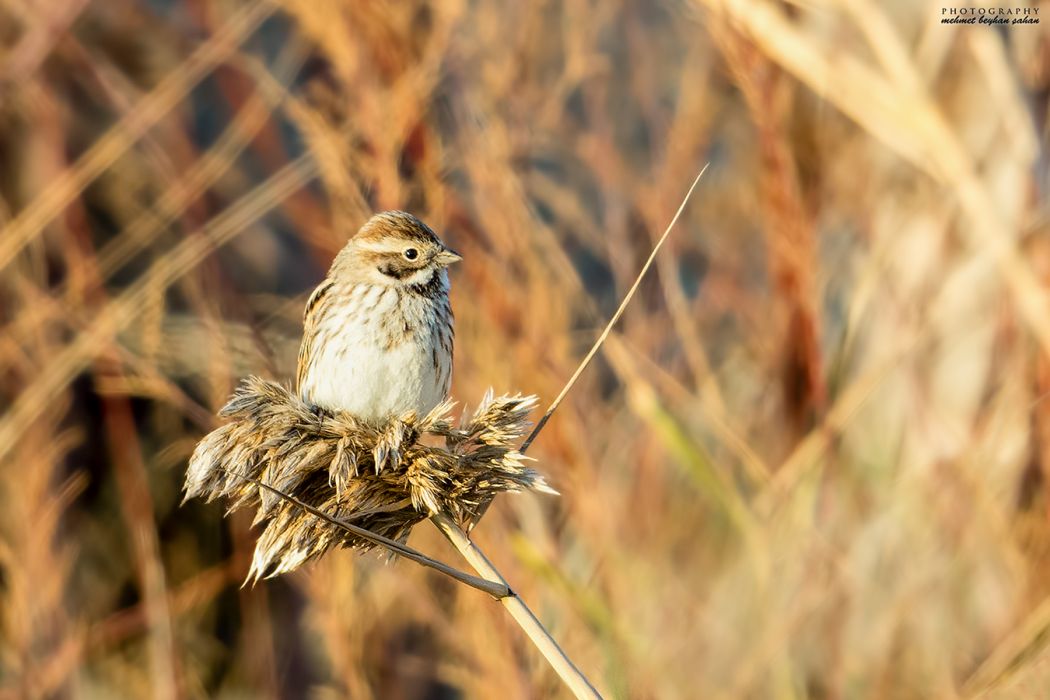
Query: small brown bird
377	337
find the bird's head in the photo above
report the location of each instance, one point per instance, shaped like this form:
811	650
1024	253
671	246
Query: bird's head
394	248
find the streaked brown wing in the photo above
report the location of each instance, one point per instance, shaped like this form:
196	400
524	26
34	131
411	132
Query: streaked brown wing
314	309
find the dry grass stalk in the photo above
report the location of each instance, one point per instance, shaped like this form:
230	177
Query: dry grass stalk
321	479
615	317
526	619
495	589
558	659
383	479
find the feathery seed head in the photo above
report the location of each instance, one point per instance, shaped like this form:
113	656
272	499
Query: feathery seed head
379	477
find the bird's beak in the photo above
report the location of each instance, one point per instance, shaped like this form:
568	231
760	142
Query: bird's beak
447	256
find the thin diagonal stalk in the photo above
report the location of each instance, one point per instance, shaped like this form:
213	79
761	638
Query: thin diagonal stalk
559	661
557	658
497	589
612	322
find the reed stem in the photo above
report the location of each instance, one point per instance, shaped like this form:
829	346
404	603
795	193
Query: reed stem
559	661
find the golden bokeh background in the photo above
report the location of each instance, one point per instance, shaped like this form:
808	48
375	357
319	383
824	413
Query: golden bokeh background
812	461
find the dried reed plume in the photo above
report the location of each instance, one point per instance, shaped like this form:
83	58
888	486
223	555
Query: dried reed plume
380	478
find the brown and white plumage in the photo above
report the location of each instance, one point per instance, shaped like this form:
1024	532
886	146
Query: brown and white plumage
377	337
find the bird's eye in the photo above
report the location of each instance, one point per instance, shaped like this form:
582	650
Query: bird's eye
411	253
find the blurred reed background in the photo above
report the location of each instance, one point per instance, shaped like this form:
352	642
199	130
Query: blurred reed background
813	461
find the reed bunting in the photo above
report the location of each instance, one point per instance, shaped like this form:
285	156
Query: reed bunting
377	337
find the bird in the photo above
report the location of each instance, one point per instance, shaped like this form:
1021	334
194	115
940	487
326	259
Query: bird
378	331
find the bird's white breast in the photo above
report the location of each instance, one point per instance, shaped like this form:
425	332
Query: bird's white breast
380	354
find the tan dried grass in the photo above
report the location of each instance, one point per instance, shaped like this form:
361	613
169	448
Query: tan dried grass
383	478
